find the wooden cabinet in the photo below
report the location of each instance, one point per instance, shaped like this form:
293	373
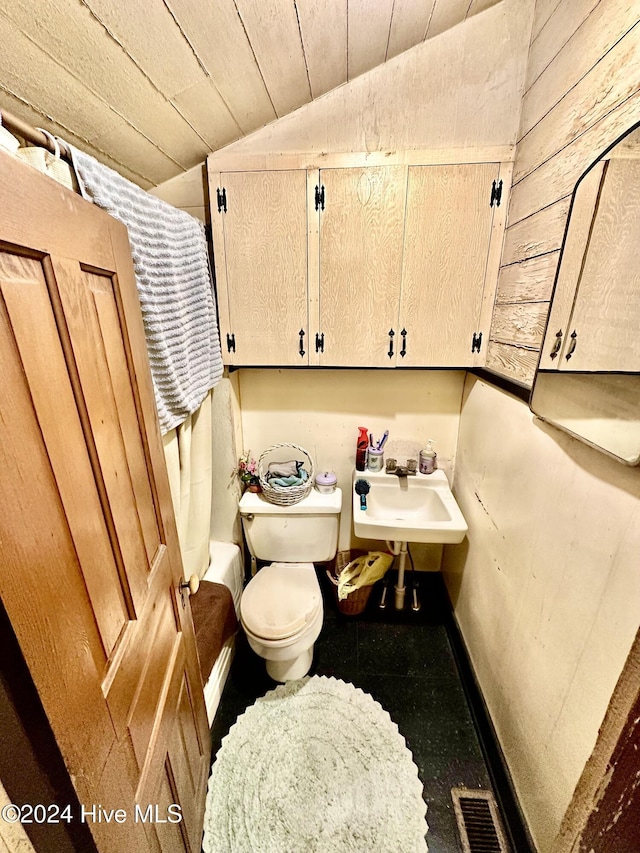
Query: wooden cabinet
361	229
446	248
597	296
360	266
260	240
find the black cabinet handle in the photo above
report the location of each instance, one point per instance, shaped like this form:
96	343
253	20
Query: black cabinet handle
557	344
403	351
572	345
301	350
391	334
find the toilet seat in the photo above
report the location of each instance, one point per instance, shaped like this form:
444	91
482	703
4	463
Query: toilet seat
281	601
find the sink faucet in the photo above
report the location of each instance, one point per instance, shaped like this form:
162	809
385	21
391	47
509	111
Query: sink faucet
407	470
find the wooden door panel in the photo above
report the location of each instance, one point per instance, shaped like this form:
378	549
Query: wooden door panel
361	232
27	300
447	235
103	402
265	250
91	561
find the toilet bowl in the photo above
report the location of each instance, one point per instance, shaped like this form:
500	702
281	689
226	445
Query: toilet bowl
281	608
281	612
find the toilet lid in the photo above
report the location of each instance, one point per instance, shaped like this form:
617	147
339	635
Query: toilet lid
280	600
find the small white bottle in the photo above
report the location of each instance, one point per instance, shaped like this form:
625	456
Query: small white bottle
428	458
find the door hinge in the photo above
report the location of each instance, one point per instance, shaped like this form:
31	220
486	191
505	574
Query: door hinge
476	342
320	197
231	342
496	193
319	342
222	199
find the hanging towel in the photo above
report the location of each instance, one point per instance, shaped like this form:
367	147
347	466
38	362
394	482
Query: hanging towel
172	271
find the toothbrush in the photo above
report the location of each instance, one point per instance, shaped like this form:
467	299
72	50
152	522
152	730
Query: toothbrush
370	439
383	439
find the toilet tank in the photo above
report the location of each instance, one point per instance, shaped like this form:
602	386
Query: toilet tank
306	532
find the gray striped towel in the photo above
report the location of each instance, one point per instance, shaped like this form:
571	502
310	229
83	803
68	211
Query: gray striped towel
171	264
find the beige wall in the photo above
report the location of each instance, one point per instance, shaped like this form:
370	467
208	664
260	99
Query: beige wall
546	590
321	411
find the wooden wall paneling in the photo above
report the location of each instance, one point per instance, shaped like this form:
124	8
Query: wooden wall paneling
245	94
368	35
313	268
543	11
409	24
446	13
557	177
265	244
530	280
442	280
361	231
539	234
604	27
139	102
518	323
477	6
573	253
270	25
141	30
187	191
216	125
579	109
517	362
325	47
560	27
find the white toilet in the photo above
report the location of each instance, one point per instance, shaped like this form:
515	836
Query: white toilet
281	608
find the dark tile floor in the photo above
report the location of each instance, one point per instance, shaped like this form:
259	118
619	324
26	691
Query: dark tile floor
406	662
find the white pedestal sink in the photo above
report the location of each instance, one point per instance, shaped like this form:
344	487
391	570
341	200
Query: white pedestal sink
415	508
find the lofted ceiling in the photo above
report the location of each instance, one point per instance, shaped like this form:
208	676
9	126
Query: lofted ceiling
151	86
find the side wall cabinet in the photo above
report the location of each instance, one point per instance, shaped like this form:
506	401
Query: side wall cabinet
359	266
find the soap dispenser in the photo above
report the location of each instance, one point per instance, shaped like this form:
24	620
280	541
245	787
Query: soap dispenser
428	457
361	448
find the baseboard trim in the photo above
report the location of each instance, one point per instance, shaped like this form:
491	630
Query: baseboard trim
515	824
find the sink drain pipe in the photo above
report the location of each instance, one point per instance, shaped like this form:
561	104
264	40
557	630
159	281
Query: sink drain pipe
399	549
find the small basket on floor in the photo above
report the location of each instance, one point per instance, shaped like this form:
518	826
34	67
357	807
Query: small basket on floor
355	603
285	495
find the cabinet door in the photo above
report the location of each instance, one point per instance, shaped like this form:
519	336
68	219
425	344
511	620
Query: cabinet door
360	264
446	248
601	333
260	248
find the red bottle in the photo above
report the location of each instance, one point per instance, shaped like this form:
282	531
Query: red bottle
361	448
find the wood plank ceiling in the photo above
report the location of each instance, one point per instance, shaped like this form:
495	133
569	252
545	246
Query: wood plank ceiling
151	86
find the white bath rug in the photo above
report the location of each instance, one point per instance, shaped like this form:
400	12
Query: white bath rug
315	766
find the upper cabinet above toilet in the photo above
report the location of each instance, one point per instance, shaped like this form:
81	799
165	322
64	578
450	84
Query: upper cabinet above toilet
359	265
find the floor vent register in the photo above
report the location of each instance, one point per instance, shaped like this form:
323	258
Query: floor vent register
478	821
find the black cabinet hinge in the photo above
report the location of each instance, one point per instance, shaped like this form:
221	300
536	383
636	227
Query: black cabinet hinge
231	343
319	342
496	194
222	199
320	197
476	342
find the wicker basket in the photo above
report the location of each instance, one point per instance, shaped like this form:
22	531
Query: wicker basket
285	495
355	603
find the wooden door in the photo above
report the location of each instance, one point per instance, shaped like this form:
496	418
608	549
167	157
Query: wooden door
446	248
260	249
90	566
361	229
602	332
